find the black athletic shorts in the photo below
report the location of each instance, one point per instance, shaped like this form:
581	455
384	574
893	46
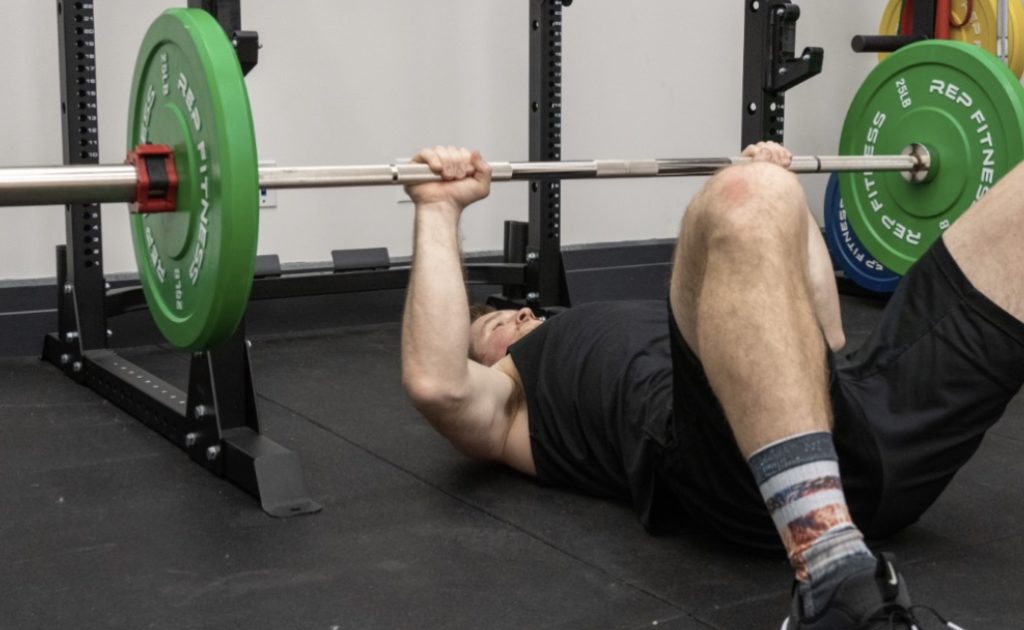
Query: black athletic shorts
910	406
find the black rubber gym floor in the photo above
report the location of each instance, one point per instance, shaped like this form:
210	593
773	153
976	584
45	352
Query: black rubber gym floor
106	525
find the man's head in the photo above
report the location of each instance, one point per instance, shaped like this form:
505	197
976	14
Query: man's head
493	331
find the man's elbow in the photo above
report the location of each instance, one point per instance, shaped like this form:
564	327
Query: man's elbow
431	395
444	405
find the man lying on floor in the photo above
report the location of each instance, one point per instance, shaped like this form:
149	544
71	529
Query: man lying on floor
727	404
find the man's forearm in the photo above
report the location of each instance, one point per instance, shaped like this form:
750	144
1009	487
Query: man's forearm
435	327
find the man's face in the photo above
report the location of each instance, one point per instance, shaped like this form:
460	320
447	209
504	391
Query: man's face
492	334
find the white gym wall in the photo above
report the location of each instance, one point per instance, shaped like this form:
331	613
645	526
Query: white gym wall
345	83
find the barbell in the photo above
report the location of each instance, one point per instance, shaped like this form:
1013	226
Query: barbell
928	132
109	183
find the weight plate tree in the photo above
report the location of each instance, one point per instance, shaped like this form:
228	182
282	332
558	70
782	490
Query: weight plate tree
980	29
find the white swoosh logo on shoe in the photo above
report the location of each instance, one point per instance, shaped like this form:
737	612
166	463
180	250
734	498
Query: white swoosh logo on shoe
892	575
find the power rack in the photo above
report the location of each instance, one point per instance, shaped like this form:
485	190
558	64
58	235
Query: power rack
216	419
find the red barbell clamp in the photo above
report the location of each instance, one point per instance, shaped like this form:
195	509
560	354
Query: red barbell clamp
157	188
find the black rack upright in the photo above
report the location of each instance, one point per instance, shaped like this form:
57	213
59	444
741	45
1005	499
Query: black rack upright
545	273
82	322
770	67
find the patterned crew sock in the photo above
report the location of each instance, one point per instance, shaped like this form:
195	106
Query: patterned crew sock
799	480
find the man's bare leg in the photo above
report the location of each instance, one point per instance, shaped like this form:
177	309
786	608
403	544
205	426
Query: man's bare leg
751	302
742	298
986	243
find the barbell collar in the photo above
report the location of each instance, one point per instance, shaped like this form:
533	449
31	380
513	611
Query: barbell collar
28	186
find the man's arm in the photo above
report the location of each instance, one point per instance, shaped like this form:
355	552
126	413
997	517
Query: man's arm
465	401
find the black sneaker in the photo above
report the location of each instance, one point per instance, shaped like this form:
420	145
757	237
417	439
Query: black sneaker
868	600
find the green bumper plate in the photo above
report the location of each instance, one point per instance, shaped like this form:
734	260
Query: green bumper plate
196	264
960	102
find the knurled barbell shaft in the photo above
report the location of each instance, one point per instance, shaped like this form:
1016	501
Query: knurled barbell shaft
387	174
27	186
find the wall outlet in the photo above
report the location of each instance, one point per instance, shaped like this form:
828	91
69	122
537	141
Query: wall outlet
268	198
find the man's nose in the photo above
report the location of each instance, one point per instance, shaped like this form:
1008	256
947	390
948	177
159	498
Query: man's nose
523	315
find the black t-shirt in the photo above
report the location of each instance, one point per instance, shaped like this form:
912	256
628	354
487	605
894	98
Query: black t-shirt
598	386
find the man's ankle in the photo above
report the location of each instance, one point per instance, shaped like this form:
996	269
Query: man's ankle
831	559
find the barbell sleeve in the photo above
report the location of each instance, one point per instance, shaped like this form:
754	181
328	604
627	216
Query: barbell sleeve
49	185
26	186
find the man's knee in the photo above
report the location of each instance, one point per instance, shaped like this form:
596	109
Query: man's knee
752	202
